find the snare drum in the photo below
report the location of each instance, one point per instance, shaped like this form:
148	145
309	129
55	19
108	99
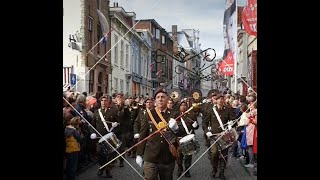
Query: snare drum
112	139
228	139
189	145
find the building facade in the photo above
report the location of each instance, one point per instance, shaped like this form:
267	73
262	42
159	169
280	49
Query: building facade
162	43
88	55
121	38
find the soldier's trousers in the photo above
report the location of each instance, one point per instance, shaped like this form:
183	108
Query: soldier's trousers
216	157
187	161
103	156
165	171
123	139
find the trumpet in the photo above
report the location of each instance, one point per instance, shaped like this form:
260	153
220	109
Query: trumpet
134	105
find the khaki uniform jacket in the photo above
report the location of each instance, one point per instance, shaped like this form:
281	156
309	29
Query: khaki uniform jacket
156	149
226	114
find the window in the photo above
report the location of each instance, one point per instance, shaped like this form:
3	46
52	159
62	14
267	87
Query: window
90	40
127	56
98	38
163	39
121	54
154	31
98	4
115	50
91	81
157	33
127	87
121	85
142	65
170	70
100	77
116	84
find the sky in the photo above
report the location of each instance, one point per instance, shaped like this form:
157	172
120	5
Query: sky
203	15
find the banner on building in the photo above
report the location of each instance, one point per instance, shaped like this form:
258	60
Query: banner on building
249	17
230	27
226	67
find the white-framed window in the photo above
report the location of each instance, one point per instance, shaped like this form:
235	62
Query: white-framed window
121	54
127	56
90	24
127	87
115	84
163	39
157	33
115	50
121	85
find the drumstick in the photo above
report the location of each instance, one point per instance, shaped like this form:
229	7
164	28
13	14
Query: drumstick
146	138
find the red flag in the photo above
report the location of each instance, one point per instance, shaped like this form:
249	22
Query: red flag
226	66
249	17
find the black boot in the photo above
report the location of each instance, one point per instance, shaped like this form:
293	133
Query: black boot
213	173
134	154
187	174
100	172
179	172
108	173
121	163
221	174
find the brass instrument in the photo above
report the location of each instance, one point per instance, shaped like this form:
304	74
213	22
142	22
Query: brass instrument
175	95
134	105
196	96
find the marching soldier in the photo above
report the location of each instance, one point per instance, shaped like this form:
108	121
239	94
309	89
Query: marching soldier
159	152
225	114
102	119
131	113
189	123
142	119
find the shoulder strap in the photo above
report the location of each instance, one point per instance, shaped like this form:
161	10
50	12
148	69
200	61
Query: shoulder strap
185	126
218	117
103	120
157	126
160	115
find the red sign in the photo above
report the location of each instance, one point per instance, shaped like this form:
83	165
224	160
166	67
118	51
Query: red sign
227	65
249	17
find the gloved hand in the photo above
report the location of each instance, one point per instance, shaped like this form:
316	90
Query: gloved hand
173	124
114	124
139	160
136	136
93	136
195	124
209	134
229	125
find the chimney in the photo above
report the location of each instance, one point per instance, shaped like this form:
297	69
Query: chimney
117	4
114	4
174	36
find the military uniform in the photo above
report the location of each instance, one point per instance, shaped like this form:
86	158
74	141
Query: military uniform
110	115
189	119
156	150
225	114
131	114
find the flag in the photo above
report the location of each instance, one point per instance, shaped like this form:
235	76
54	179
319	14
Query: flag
104	40
230	27
226	66
104	26
249	17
